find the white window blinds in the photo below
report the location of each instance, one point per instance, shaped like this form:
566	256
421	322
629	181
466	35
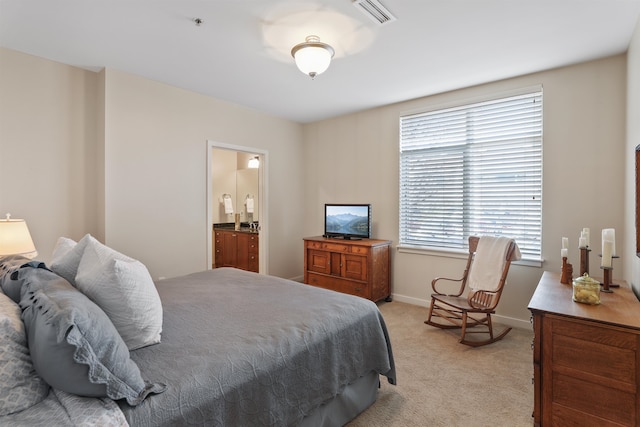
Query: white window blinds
472	170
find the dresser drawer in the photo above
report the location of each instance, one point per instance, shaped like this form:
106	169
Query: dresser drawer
595	352
314	245
335	247
345	286
359	250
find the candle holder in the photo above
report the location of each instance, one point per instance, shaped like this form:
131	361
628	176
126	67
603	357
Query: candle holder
608	275
584	260
567	272
606	285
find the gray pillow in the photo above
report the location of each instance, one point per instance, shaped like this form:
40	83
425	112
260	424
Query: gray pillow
8	268
74	346
10	263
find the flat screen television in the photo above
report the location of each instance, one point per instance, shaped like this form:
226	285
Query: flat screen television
347	221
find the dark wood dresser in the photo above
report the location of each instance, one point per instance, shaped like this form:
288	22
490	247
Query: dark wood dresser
586	358
356	267
237	249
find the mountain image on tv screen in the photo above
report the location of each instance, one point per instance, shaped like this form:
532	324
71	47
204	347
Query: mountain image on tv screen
347	220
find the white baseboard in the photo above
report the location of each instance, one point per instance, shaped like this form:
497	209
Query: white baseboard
503	320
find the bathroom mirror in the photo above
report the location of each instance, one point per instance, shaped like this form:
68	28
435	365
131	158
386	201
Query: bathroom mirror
231	176
247	194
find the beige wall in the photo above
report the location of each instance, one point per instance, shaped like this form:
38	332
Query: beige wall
632	266
49	150
155	169
584	122
125	158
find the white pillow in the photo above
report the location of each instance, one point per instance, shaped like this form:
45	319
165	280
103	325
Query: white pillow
123	288
63	245
66	257
20	385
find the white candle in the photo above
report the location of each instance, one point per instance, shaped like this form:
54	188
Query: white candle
582	242
586	234
565	243
564	252
609	234
607	247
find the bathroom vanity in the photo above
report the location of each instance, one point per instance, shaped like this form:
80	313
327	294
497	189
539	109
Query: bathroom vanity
236	248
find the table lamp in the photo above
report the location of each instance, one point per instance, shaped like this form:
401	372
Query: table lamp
15	238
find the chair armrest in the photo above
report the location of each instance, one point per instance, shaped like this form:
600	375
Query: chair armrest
435	290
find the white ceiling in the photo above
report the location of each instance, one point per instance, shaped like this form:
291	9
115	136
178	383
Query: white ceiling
241	51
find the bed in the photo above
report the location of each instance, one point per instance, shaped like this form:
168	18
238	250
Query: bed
235	348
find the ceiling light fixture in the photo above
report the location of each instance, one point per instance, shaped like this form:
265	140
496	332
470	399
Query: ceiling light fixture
312	57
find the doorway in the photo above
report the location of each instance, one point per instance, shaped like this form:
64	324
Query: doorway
220	154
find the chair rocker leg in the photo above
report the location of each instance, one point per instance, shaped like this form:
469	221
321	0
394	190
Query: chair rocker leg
437	311
489	325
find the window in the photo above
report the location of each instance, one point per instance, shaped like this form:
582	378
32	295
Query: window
472	170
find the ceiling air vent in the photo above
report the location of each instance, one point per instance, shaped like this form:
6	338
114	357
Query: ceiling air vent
374	10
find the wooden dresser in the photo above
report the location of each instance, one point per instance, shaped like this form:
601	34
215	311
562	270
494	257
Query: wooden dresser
356	267
586	359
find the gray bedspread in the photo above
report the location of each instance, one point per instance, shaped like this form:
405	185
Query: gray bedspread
243	349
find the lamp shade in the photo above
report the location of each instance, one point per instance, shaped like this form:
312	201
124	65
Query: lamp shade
312	57
15	238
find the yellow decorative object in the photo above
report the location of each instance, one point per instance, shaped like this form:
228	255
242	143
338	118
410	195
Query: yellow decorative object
586	290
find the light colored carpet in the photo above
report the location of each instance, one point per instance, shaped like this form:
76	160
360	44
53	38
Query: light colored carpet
444	383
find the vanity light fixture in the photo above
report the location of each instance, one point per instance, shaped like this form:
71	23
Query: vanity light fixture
254	163
312	56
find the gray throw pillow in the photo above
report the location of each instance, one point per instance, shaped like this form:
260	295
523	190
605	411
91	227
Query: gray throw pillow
11	287
74	346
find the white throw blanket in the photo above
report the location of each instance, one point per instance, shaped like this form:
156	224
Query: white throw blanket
489	262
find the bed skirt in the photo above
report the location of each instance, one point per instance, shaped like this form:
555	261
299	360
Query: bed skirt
355	398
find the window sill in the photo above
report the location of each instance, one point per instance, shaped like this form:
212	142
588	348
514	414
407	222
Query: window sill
459	254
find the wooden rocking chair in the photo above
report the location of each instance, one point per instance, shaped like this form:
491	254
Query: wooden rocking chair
484	276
